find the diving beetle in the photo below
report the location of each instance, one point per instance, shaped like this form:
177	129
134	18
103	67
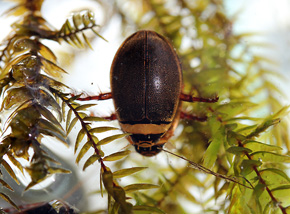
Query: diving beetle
146	84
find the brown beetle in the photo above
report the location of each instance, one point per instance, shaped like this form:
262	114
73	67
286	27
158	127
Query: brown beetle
146	83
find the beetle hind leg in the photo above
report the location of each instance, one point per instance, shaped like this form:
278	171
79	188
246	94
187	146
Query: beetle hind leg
187	116
102	96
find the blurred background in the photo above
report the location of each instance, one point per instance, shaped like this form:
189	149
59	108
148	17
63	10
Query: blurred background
267	20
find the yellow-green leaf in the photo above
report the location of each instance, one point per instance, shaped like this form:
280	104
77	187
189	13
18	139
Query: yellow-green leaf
237	150
3	183
94	119
117	156
259	146
270	157
111	138
135	187
54	170
8	199
91	160
103	129
146	209
71	125
129	171
9	170
84	107
84	150
80	137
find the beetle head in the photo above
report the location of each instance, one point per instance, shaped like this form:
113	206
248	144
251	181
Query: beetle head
149	151
146	145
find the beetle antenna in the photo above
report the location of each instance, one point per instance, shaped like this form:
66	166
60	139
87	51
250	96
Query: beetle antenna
208	171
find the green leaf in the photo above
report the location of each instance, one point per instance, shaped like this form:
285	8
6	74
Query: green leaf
146	209
54	170
49	116
237	150
136	187
71	125
46	52
103	129
262	127
87	41
84	107
80	137
49	102
3	183
234	108
15	162
270	157
120	196
248	165
47	128
117	156
259	146
272	208
129	171
48	158
111	138
9	170
107	178
7	198
234	137
273	175
284	187
281	193
84	150
16	96
91	160
63	106
51	68
46	125
94	119
212	151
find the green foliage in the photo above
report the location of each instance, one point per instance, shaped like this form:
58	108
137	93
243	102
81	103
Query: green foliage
246	154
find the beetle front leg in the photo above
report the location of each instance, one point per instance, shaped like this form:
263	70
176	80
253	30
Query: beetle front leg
102	96
113	116
189	98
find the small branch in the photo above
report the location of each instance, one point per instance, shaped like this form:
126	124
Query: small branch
208	171
283	210
83	124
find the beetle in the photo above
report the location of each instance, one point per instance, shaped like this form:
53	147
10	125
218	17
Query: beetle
146	84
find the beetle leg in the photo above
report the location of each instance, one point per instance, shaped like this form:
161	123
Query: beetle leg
184	115
113	116
102	96
189	98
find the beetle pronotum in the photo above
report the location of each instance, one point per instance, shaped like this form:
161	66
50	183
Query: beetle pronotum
146	84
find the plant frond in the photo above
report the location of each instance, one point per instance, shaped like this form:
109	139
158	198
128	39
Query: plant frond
75	26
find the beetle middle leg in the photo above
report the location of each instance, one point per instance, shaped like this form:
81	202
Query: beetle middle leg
189	98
